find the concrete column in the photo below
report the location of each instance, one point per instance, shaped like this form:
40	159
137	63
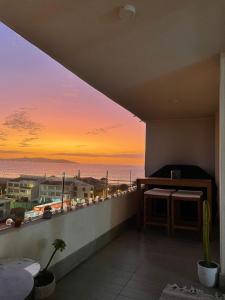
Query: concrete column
222	167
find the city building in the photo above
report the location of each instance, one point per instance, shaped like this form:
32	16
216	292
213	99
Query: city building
83	190
50	190
24	188
98	185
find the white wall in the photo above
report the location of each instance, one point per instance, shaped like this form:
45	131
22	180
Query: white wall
180	141
222	168
217	149
76	228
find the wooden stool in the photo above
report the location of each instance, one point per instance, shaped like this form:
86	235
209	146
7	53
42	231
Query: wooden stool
189	197
157	195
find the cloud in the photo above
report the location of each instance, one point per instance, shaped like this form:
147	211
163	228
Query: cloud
3	136
20	120
102	130
27	142
12	152
108	155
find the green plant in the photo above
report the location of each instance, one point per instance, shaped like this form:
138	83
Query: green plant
206	233
59	245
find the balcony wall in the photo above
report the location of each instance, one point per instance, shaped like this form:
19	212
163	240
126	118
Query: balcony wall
84	230
180	141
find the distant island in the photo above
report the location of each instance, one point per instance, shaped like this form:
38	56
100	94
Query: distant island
39	160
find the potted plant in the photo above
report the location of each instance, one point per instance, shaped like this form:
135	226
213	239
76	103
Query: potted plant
207	269
45	280
47	214
17	214
18	221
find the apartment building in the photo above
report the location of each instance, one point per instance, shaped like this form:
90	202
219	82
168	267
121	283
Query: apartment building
50	190
83	190
97	184
24	188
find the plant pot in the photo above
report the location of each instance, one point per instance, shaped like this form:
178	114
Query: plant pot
44	285
47	214
208	275
18	222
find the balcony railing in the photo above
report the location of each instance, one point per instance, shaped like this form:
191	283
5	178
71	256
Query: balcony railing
85	191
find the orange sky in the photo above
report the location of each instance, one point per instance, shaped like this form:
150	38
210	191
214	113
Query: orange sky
46	111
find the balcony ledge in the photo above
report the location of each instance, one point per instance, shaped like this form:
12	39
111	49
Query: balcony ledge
84	230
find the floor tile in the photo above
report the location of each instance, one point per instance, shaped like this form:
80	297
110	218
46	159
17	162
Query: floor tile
135	266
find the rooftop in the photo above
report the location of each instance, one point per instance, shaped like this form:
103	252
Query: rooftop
92	181
56	182
26	178
68	181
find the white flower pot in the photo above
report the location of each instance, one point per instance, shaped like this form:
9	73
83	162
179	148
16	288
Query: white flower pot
208	276
44	291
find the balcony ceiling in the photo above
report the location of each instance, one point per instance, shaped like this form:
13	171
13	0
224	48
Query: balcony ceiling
161	64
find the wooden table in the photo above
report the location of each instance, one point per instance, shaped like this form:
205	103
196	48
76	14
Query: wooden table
181	183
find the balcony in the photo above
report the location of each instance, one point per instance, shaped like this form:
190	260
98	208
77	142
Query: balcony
106	257
163	65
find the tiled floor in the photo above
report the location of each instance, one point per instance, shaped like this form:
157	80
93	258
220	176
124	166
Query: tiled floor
134	266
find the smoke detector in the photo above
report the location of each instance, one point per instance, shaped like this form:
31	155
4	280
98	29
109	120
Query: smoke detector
127	11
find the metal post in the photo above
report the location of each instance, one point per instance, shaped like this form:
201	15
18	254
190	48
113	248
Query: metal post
63	187
106	184
130	177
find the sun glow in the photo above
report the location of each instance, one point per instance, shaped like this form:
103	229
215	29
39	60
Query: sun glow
46	111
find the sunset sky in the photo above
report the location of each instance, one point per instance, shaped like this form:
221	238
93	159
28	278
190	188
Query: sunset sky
47	111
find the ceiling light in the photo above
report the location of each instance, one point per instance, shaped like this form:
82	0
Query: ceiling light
127	11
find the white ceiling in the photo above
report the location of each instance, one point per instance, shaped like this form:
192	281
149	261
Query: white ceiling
163	63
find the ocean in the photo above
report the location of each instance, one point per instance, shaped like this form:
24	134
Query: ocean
120	173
